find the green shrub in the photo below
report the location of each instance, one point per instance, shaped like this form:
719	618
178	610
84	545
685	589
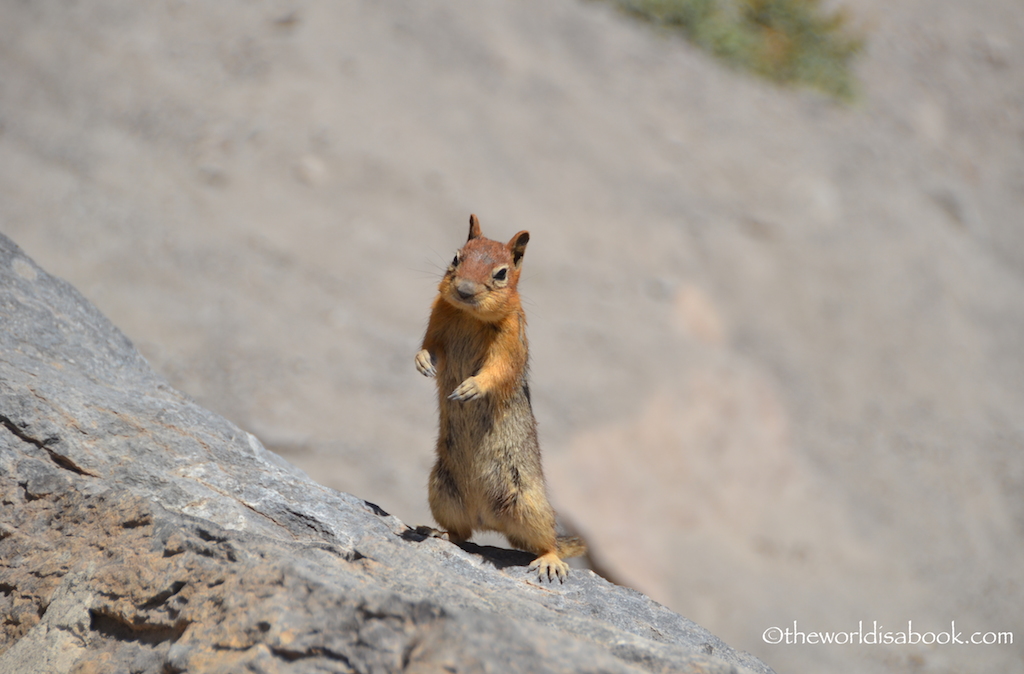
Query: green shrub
790	41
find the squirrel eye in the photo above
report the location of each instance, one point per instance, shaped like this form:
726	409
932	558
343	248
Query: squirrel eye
501	274
455	260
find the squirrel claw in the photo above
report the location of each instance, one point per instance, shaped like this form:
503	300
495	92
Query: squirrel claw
467	390
549	566
425	364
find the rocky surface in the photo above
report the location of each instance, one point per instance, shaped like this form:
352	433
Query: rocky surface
143	533
777	343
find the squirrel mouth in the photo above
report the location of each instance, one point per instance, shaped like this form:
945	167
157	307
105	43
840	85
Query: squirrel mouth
465	293
457	298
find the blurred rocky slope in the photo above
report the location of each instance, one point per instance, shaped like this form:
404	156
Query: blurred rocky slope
778	345
143	533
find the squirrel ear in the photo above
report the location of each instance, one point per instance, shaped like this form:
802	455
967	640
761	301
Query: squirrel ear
474	228
518	247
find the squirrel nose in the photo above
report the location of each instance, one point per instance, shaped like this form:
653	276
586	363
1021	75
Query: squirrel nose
466	289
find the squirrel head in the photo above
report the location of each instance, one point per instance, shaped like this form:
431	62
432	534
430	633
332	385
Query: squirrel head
483	276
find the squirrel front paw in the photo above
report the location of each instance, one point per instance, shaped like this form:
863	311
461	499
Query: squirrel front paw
425	364
467	390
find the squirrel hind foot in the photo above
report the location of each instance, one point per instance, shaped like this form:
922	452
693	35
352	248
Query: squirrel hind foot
450	535
549	567
431	532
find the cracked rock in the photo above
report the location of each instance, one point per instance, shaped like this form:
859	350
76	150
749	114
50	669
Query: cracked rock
142	533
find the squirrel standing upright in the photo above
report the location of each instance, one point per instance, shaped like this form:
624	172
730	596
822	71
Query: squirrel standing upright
488	473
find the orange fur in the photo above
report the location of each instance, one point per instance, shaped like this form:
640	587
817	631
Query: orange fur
488	472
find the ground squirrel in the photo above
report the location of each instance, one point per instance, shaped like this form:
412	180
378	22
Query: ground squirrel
488	472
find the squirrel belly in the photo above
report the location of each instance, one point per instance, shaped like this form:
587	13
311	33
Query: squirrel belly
488	475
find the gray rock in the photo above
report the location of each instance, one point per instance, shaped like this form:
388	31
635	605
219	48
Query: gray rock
142	533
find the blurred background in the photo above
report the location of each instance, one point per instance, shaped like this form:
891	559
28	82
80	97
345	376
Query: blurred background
777	339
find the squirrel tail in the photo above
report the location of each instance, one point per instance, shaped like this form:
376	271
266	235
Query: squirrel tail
570	546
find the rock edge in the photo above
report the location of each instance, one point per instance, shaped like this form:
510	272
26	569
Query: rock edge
143	533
